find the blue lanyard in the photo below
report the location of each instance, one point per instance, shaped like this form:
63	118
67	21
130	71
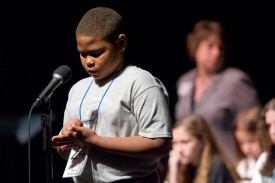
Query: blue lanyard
96	115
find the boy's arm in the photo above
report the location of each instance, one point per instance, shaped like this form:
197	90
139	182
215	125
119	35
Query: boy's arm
134	146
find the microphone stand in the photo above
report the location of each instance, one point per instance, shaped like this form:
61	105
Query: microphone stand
46	120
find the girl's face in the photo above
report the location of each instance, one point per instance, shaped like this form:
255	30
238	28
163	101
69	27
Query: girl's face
187	146
270	121
249	143
209	54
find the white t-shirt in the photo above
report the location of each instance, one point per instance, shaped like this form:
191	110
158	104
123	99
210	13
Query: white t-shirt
134	103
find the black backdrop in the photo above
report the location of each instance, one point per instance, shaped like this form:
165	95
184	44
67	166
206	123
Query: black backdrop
38	36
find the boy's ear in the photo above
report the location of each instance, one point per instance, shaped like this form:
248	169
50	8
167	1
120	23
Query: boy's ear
122	40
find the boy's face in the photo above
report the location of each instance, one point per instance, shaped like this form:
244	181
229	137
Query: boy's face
98	57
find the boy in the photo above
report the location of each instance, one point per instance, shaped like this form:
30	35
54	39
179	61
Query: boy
117	124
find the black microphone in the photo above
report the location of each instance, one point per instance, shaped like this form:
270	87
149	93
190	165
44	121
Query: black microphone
60	75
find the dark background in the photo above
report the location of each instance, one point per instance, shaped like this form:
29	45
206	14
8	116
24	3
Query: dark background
38	36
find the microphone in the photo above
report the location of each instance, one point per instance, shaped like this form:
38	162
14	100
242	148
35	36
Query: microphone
60	75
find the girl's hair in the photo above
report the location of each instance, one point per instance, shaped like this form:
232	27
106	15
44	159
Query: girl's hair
263	133
198	127
247	120
201	31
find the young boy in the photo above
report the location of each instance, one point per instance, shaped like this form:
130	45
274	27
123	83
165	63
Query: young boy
117	123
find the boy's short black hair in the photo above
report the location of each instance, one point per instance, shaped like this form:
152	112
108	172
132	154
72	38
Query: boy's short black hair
102	22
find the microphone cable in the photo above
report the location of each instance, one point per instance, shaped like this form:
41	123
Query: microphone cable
29	144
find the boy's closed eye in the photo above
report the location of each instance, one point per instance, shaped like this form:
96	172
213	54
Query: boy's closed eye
93	53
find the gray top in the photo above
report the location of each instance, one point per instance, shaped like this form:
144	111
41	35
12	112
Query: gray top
136	103
228	92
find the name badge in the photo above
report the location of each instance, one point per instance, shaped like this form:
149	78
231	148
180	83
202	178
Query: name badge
76	162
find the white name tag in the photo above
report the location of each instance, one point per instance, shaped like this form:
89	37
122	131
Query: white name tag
76	162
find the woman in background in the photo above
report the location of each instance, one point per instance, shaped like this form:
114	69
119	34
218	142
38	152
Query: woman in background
211	89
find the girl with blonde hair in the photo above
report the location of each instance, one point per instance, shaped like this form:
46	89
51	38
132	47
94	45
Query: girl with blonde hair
265	165
249	144
195	156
